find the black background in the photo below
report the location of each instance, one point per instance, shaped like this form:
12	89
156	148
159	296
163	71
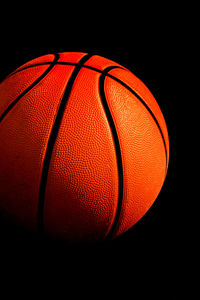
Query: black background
144	39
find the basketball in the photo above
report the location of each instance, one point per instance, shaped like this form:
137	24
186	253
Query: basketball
84	147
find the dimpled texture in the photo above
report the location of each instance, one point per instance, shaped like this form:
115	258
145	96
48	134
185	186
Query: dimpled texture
143	154
83	172
81	200
24	135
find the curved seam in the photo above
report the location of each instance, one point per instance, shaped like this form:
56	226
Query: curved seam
117	150
52	139
14	102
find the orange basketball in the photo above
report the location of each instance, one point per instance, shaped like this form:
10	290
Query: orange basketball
84	147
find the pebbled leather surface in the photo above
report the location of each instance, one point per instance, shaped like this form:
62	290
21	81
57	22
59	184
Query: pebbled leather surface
142	151
24	135
83	174
15	85
140	88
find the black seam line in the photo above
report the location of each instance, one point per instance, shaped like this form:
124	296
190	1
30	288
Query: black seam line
116	79
40	64
52	140
117	149
57	56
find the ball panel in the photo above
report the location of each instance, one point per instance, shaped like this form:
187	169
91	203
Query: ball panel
15	85
101	63
83	175
142	151
24	136
141	89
